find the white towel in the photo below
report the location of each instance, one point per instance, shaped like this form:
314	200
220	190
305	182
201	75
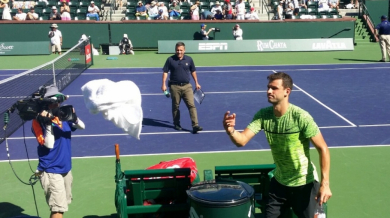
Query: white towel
119	102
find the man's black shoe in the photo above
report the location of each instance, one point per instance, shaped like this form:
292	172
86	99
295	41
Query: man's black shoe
382	61
178	127
196	129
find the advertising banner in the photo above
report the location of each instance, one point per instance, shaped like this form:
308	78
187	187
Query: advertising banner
261	45
87	49
25	48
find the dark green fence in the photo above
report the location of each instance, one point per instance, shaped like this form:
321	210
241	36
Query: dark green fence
145	34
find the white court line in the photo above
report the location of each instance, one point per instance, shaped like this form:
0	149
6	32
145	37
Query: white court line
374	125
239	70
201	152
318	101
178	132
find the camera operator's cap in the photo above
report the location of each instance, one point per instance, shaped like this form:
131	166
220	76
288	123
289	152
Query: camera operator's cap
153	3
92	2
203	25
237	24
54	25
384	17
125	35
53	8
217	3
52	90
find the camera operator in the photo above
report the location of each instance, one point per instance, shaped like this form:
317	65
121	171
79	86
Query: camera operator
237	32
204	33
54	152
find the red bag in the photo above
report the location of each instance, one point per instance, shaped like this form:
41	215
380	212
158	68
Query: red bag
185	162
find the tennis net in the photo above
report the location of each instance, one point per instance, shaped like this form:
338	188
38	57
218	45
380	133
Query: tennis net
60	71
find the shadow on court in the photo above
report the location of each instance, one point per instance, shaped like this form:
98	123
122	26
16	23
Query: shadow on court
160	123
360	60
11	210
107	216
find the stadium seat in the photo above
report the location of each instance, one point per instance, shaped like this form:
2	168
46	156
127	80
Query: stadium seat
80	17
130	16
312	4
38	11
322	11
324	16
81	13
205	5
247	5
185	5
233	3
333	11
302	11
295	17
83	5
52	3
141	18
130	13
131	6
312	11
44	17
185	16
1	13
335	16
73	5
41	5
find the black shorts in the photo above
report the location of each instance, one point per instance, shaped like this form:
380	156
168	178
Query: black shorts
301	199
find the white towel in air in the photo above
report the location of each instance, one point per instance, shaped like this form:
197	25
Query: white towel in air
119	102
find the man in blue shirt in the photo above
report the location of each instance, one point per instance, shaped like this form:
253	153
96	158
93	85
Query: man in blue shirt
181	67
55	155
383	33
141	10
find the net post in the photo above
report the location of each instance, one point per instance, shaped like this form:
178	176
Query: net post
54	73
90	42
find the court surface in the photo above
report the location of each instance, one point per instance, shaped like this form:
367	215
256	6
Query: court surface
347	101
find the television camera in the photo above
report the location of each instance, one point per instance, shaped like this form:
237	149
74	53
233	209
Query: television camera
29	108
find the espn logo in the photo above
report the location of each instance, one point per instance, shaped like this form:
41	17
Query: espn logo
212	46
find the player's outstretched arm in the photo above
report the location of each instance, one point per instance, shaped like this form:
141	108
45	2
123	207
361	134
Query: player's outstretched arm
240	139
319	143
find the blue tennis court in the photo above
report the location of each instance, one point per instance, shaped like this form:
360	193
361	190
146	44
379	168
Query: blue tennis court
348	102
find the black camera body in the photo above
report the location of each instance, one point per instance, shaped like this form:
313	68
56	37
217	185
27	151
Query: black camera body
29	108
217	30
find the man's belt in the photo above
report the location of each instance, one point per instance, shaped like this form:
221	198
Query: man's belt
178	84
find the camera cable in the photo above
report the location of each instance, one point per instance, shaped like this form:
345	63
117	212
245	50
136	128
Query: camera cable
34	178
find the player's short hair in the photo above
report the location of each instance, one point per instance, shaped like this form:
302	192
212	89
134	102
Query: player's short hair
180	44
286	79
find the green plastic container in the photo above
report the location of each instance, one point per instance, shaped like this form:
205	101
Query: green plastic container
221	199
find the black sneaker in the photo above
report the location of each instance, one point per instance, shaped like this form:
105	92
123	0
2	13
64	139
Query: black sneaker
178	127
382	61
196	129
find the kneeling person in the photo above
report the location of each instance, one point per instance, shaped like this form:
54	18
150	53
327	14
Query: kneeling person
125	45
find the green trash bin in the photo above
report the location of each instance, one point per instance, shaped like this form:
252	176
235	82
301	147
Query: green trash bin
221	199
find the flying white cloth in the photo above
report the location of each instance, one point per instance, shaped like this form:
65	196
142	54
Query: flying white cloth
119	102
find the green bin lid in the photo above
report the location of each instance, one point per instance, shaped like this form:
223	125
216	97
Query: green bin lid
227	192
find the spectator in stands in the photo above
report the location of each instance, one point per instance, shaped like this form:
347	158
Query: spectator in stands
160	15
240	10
141	10
323	5
302	4
228	10
204	33
55	39
165	10
195	11
237	32
125	45
174	9
20	15
296	7
65	11
54	15
382	30
153	10
252	15
6	11
216	7
93	11
31	15
218	15
207	15
334	4
289	9
280	11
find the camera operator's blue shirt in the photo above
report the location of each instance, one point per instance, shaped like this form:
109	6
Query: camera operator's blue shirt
58	159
